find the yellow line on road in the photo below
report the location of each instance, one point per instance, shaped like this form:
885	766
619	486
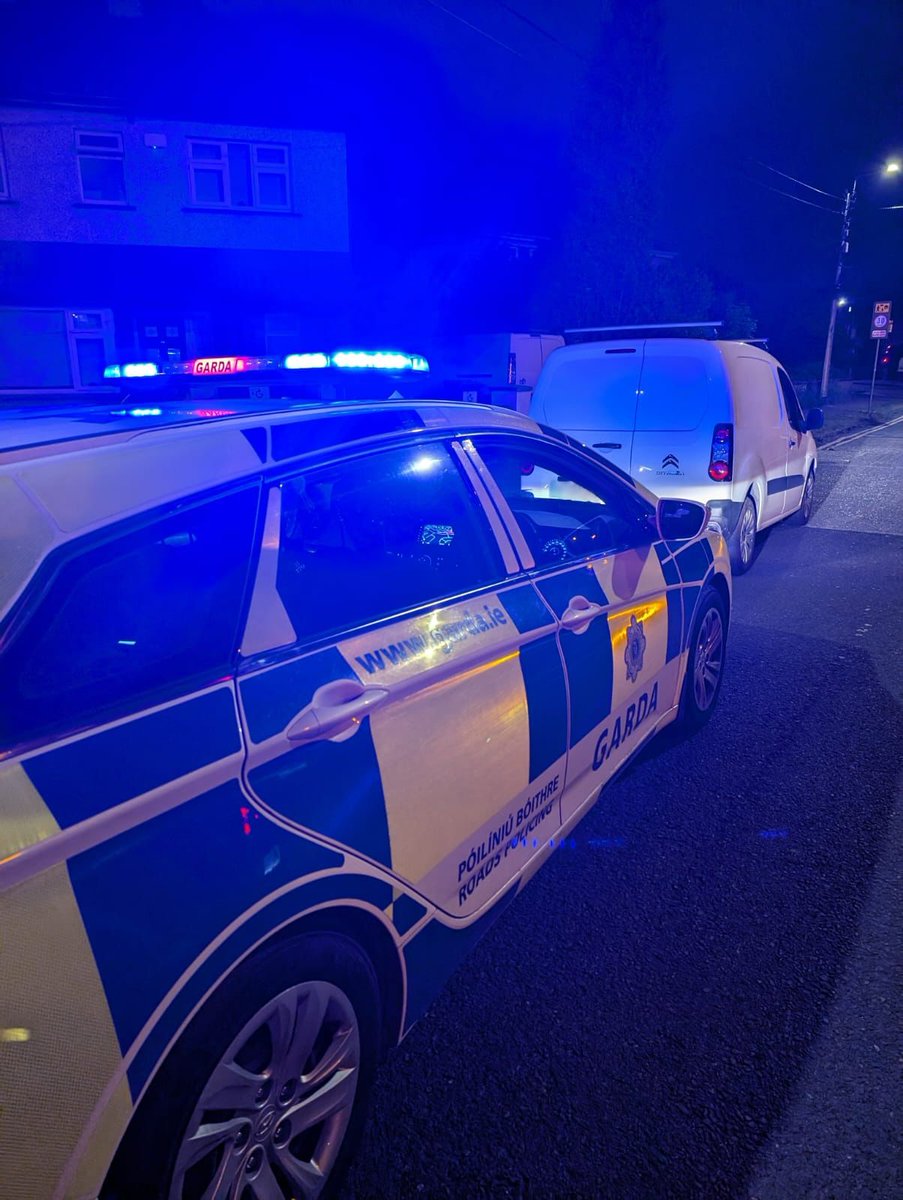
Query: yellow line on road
851	437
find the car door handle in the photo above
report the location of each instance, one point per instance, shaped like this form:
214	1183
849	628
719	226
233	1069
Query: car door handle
579	613
336	711
607	445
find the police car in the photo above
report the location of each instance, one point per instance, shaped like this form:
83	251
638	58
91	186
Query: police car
295	702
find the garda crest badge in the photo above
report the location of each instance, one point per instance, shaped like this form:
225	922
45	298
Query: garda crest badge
635	649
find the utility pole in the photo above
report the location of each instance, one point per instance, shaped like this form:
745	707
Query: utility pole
849	200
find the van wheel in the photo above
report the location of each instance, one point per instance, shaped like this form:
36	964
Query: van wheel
705	662
804	512
264	1094
742	544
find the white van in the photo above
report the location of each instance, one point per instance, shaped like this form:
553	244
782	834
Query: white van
712	421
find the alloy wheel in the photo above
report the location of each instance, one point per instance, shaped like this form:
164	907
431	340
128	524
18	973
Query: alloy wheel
272	1116
747	533
708	660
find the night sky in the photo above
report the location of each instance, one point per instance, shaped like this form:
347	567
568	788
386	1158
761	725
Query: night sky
619	127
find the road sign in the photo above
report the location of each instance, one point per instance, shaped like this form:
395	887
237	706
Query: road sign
881	321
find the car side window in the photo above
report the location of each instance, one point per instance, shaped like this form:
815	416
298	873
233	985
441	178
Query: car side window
791	402
130	620
565	507
369	537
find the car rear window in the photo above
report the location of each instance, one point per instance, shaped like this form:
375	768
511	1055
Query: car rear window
674	393
129	620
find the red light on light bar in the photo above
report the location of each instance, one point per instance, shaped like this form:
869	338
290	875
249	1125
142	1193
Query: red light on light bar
218	366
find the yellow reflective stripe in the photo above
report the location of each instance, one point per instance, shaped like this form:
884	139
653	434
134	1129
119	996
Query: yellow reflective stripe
26	818
102	1144
444	755
51	987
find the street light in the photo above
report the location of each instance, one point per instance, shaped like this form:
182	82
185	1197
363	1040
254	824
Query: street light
891	167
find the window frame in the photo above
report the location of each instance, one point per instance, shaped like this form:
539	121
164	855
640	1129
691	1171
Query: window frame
16	622
498	541
794	410
113	153
255	168
610	479
4	171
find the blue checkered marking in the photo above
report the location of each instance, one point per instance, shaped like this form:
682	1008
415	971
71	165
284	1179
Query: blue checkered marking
275	914
437	950
336	888
543	674
669	567
87	777
526	609
691	595
587	656
694	560
547	703
675	624
332	788
273	698
153	898
406	912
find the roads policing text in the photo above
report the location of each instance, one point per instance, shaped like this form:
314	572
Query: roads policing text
510	833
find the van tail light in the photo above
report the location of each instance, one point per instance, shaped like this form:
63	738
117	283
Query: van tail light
721	460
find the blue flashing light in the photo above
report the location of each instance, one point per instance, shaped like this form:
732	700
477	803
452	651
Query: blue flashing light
355	360
138	370
113	371
145	412
380	360
301	362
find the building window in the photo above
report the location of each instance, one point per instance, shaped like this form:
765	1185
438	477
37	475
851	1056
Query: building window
101	170
239	175
4	181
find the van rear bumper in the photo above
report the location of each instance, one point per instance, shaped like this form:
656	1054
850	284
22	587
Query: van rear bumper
725	514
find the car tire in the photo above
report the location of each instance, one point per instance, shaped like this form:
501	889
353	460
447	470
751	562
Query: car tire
742	543
705	662
804	512
269	1081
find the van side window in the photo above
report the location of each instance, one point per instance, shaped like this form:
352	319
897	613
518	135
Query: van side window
791	402
370	537
565	508
130	620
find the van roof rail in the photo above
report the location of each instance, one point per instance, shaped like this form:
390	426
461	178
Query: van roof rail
602	332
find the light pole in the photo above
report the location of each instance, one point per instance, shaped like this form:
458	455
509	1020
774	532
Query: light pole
849	199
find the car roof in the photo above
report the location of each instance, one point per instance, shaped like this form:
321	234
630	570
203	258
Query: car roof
66	472
34	431
591	348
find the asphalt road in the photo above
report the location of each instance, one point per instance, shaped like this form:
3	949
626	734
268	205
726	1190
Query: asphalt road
701	998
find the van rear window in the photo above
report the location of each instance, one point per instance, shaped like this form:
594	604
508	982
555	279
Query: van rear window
593	393
674	393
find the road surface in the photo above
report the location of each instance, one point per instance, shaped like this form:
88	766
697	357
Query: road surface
701	998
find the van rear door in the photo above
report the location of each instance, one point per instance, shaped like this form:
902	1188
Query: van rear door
590	391
674	416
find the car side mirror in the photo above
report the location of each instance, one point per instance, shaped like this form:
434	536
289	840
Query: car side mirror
815	418
680	520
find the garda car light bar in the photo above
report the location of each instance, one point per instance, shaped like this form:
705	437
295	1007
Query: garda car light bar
239	364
